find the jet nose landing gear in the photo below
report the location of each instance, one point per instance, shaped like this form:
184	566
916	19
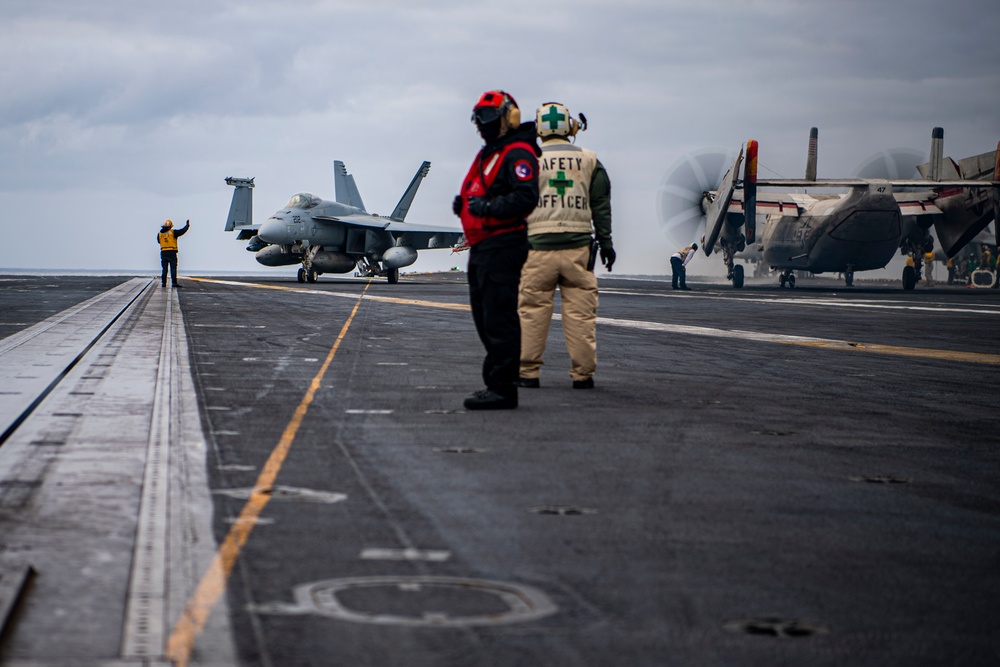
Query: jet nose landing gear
787	277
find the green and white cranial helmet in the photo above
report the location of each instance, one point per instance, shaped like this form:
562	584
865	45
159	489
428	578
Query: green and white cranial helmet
553	120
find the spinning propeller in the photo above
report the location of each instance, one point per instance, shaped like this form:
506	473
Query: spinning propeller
680	194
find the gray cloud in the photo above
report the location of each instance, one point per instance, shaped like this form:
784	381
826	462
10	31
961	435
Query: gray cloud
118	114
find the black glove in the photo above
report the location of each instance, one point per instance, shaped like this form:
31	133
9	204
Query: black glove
456	206
608	257
479	207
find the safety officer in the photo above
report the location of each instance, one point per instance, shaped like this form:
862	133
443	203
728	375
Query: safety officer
678	261
498	193
574	207
167	238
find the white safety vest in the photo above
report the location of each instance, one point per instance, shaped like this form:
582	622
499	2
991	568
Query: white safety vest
564	175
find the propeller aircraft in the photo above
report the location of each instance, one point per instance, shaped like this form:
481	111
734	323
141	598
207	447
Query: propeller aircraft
336	236
816	232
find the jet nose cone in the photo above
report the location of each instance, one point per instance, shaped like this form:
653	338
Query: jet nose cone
272	231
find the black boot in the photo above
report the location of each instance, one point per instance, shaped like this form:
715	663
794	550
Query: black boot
487	399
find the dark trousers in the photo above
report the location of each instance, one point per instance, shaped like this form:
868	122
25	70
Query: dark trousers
168	259
680	273
494	273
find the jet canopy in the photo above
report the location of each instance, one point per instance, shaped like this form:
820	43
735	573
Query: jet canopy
303	200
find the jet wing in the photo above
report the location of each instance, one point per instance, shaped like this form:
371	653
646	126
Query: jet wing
378	222
418	237
363	221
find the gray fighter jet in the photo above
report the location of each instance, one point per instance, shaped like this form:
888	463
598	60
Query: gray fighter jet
336	236
843	233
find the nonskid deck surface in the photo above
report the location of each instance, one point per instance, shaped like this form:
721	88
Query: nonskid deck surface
252	471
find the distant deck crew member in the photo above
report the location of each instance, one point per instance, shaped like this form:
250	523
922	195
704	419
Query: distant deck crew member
573	213
497	195
167	238
678	261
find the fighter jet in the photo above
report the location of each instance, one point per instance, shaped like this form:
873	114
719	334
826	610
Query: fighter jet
336	236
857	231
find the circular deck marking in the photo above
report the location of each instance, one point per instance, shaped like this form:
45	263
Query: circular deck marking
442	602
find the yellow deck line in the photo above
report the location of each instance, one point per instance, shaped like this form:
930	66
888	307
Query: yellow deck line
344	295
200	605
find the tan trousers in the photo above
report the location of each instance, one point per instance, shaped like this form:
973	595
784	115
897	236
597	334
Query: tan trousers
542	273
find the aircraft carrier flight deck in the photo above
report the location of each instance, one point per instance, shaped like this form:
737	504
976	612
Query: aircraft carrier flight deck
252	471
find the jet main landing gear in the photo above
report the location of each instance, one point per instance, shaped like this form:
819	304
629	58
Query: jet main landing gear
311	275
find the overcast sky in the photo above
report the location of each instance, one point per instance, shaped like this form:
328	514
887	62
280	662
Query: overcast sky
115	114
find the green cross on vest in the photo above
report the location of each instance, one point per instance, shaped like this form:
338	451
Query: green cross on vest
553	117
560	183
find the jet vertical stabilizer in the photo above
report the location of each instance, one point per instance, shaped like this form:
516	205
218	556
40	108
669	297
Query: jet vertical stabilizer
241	209
345	188
403	207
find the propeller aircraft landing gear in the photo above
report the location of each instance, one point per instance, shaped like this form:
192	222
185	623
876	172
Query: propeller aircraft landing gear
734	272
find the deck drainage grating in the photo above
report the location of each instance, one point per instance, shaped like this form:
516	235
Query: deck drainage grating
882	479
776	627
562	510
459	450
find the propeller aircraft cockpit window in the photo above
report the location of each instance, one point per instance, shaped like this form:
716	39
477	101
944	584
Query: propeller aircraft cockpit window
304	200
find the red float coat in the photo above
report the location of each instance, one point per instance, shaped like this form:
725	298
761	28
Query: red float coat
505	172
